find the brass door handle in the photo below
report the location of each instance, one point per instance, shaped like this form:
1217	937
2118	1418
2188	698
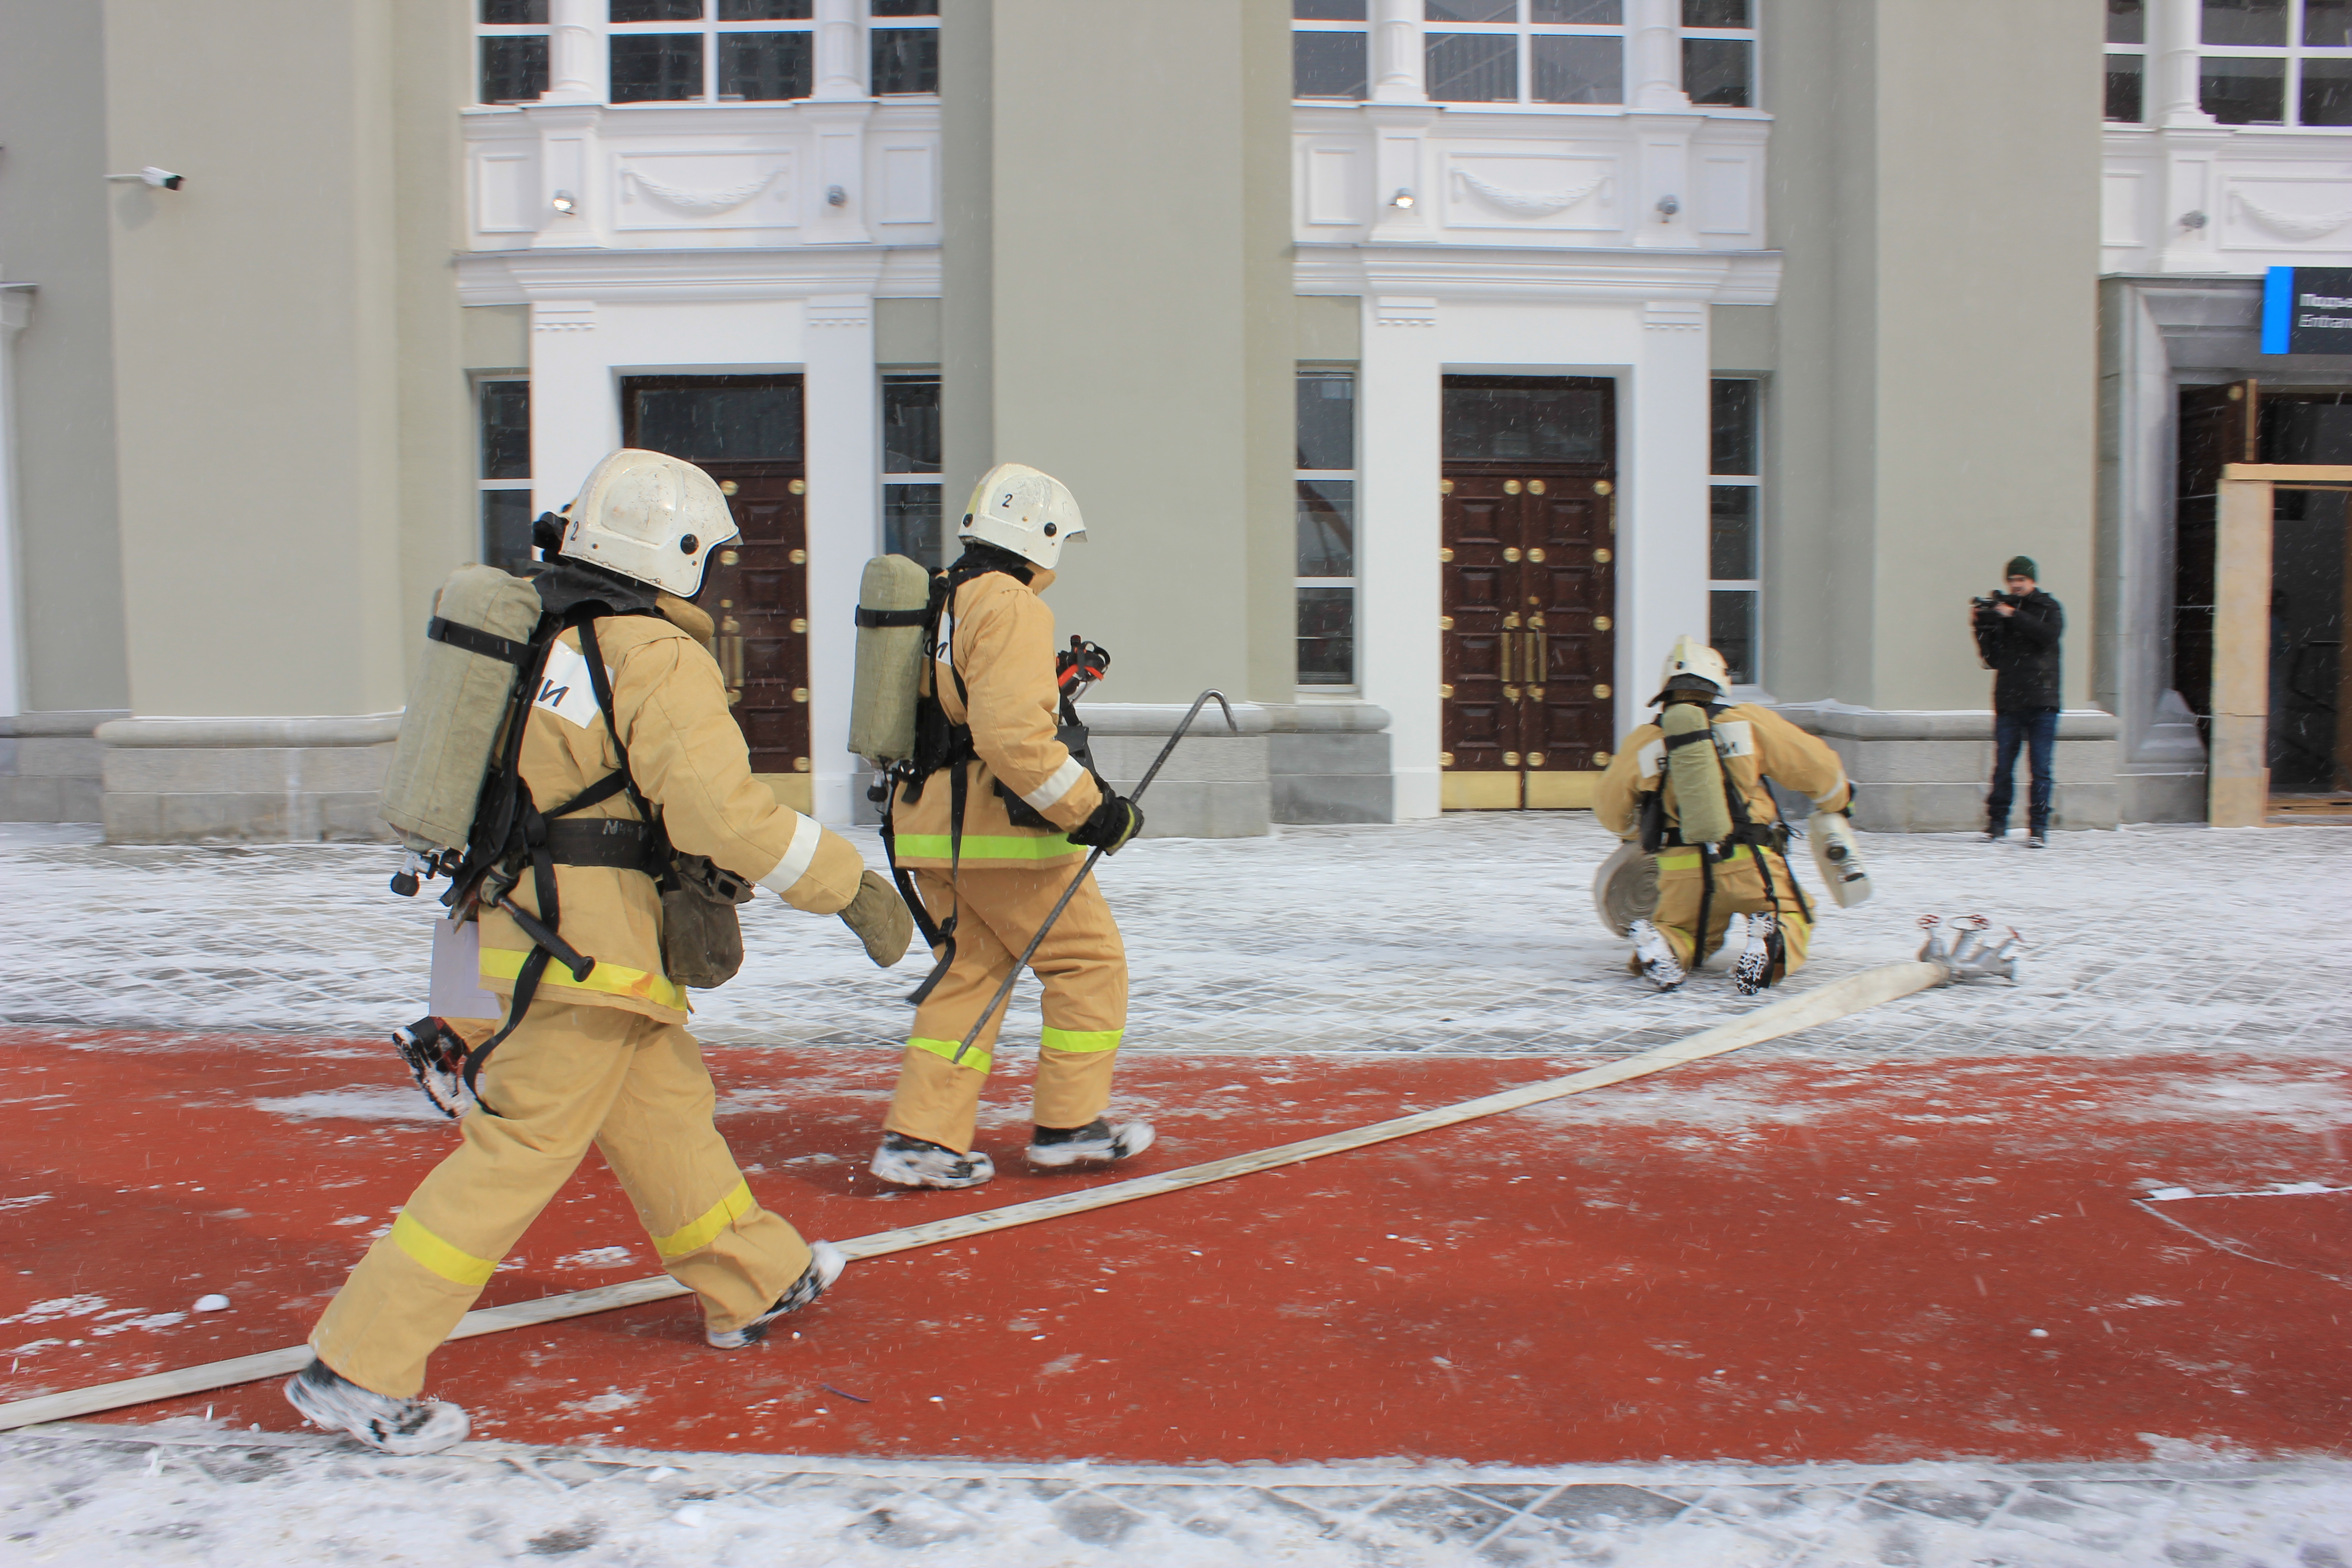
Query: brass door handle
1510	641
730	658
1540	654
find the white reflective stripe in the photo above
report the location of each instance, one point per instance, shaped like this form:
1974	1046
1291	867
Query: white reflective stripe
806	836
947	637
1830	794
1066	779
1735	738
1654	759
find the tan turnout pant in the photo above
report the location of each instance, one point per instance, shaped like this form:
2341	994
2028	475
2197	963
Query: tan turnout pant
1738	890
568	1078
1082	964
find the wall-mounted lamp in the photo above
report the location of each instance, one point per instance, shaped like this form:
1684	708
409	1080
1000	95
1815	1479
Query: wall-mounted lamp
1402	200
566	202
1667	208
159	179
2194	220
835	196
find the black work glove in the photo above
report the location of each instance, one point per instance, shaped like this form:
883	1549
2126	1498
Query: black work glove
1114	821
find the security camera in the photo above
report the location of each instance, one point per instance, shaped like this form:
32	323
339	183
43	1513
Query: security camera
152	176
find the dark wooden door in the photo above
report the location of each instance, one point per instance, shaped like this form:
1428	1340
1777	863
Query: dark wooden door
2218	425
745	431
1528	587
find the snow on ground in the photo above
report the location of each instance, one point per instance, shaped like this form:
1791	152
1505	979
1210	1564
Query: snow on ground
186	1494
1468	933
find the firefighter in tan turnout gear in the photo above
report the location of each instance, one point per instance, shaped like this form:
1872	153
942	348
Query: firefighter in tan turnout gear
604	1060
1690	787
993	819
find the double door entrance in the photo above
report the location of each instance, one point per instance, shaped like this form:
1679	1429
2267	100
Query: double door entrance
745	431
1528	565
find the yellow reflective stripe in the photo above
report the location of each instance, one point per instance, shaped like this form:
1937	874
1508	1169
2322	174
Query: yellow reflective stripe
700	1232
457	1268
975	1058
1056	1039
988	846
1687	860
613	979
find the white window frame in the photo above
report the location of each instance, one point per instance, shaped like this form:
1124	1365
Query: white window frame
2140	52
1353	685
900	25
936	478
1755	60
2295	52
1754	483
1361	27
503	30
482	381
1526	31
711	27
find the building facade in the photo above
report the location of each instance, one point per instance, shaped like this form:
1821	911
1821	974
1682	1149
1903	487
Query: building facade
1424	367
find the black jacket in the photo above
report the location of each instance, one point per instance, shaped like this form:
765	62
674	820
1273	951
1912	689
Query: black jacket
2023	649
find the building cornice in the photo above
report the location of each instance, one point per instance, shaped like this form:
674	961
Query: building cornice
737	272
1615	274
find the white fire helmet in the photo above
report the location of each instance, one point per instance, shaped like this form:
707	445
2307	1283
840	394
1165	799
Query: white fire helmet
1692	658
650	516
1018	509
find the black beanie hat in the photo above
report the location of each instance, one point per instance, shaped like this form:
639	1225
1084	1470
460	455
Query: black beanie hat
2022	567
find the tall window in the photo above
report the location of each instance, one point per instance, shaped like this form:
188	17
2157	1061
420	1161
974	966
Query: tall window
511	50
502	409
702	51
911	513
2127	59
1329	56
1719	53
2276	62
1326	526
1527	51
905	44
1734	492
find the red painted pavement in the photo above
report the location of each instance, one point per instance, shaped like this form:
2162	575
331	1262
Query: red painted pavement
1747	1260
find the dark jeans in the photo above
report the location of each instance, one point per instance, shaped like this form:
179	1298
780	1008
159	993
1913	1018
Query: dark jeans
2036	729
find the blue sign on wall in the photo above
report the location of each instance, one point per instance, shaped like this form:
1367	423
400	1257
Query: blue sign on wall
2307	310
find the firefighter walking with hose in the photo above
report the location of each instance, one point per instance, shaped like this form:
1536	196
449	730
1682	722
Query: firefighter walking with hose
988	823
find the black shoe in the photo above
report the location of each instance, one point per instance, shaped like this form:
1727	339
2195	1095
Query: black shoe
1098	1142
402	1427
905	1162
1995	834
825	1266
2037	841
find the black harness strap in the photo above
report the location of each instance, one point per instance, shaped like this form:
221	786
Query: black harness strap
473	639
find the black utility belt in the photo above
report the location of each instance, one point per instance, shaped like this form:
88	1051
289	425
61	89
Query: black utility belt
613	841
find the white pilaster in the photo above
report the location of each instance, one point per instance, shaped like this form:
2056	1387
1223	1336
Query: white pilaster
1660	215
575	52
1398	531
1399	67
570	167
1662	516
1657	29
2172	57
2190	178
845	467
575	411
16	310
840	73
1400	165
839	131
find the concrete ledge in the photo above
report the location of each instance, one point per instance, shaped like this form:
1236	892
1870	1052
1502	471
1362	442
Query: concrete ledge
1838	719
1330	776
1214	786
1929	771
169	781
49	766
356	730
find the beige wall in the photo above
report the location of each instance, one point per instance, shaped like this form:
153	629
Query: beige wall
257	355
1124	319
1936	190
54	230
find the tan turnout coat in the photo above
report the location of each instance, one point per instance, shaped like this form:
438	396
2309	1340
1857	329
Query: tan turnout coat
1763	744
689	760
1001	636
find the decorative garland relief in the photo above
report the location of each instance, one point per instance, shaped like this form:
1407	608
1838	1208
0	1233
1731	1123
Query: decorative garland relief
1528	204
2291	225
702	201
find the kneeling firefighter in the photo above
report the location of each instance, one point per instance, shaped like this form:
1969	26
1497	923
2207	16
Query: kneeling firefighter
616	812
985	822
1691	787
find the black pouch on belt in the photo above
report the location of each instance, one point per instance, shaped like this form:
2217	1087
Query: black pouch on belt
702	938
1075	741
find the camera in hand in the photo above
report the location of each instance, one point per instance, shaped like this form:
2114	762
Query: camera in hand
1988	607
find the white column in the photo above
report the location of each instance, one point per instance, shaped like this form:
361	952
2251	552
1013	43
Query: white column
570	170
1662	517
1398	65
575	54
840	73
833	210
1398	531
1657	29
16	308
1400	138
844	474
2172	63
575	410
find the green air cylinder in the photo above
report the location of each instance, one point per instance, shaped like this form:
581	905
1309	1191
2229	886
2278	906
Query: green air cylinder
1706	816
892	598
456	709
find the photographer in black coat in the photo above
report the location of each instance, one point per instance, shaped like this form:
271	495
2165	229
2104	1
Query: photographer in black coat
2016	633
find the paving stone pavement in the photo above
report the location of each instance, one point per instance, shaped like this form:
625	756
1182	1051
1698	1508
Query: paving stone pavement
1468	933
180	1493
